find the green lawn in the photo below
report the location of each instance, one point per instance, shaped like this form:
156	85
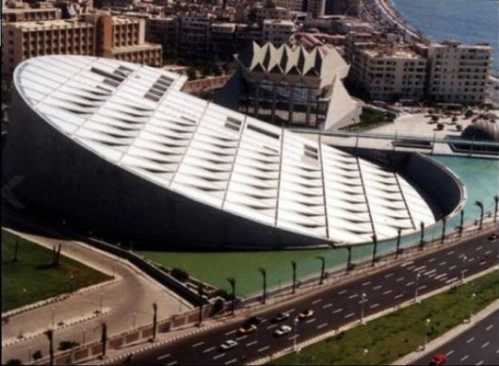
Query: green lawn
395	335
32	278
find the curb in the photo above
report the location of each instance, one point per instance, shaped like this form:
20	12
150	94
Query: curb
324	336
13	341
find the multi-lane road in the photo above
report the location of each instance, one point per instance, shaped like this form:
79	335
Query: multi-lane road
333	307
479	345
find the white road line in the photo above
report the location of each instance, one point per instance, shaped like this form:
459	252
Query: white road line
234	360
220	355
422	287
465	358
171	363
263	349
292	310
339	310
470	340
489	327
483	263
387	292
420	268
443	263
450	352
366	283
410	268
486	344
374	306
452	267
479	248
162	357
479	363
197	344
410	283
292	337
388	275
398	296
453	279
450	252
320	326
342	292
488	252
310	320
325	306
231	332
349	315
406	264
400	279
251	343
442	275
431	260
209	349
353	296
430	272
242	337
316	301
271	326
377	287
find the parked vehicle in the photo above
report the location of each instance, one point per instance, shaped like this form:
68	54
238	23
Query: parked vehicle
280	317
282	330
306	314
247	328
492	238
228	344
438	360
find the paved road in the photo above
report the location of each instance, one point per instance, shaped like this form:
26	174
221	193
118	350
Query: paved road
333	307
129	299
477	346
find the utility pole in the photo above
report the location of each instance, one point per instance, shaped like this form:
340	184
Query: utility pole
50	335
349	259
200	293
461	225
232	282
293	266
421	241
323	268
264	278
104	339
496	200
154	321
375	248
480	206
397	250
444	224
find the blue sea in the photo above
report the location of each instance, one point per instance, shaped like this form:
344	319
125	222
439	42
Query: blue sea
467	21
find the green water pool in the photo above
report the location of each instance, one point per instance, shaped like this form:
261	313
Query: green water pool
480	177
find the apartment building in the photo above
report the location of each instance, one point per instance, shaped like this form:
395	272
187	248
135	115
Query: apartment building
22	40
194	34
316	8
24	13
277	31
162	30
293	5
275	12
389	73
458	73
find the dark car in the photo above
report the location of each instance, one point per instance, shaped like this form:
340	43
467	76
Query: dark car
493	238
255	320
280	317
438	360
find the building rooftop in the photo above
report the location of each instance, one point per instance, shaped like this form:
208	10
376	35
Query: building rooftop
49	24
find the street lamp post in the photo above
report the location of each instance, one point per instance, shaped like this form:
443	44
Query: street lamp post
362	301
264	278
375	249
444	224
480	206
50	335
465	258
496	201
418	276
296	333
323	268
232	282
154	321
427	330
461	225
397	249
421	241
200	294
349	259
293	266
473	296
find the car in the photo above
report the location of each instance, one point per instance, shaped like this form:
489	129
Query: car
493	238
438	360
280	317
247	328
282	330
306	314
228	344
257	320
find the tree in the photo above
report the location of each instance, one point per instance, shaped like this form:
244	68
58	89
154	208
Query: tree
14	362
468	113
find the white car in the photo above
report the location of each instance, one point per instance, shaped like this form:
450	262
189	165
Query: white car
228	344
283	329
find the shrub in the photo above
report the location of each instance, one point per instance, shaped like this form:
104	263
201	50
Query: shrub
218	306
13	362
65	345
180	274
37	355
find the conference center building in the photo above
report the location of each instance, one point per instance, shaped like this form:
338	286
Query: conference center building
121	149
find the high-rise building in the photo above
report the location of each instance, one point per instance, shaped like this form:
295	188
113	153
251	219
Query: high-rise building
316	8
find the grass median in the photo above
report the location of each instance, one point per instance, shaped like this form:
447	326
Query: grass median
33	276
386	339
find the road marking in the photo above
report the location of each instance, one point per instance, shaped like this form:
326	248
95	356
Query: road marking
374	306
450	252
406	264
320	326
422	287
479	248
271	326
431	260
377	287
197	344
209	349
171	363
251	343
452	267
430	272
418	269
410	283
489	327
353	296
325	306
263	349
442	275
231	361
292	310
470	340
400	279
488	252
465	358
398	296
242	337
339	310
162	357
486	344
231	332
349	315
479	363
483	263
292	337
220	355
342	292
453	279
366	283
450	352
388	275
387	292
410	268
316	301
310	321
443	263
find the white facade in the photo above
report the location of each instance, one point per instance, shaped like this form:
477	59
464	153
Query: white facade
136	118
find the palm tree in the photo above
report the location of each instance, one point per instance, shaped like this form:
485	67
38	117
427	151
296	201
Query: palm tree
480	206
397	249
264	278
375	248
232	282
444	224
421	241
293	266
496	200
323	268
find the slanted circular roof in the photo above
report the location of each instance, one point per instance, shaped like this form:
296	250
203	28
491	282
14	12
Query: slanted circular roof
482	130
